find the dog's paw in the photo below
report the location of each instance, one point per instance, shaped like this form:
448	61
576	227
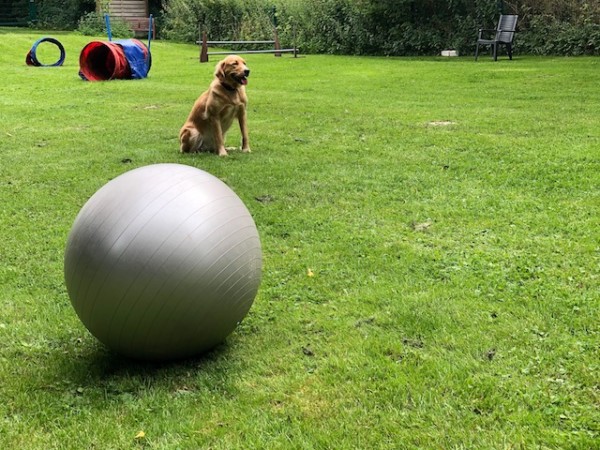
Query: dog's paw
247	150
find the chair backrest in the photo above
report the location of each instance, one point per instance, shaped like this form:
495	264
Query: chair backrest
506	28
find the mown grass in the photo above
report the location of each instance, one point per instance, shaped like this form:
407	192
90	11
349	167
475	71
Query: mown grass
431	255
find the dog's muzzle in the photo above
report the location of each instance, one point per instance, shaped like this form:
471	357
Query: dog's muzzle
243	79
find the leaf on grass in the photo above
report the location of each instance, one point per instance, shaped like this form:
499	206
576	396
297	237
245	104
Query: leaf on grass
308	351
309	272
140	435
264	198
441	123
422	227
367	321
184	391
414	343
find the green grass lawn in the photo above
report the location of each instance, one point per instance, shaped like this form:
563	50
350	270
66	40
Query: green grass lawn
430	241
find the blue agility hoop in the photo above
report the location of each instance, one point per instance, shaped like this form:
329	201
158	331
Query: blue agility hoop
31	59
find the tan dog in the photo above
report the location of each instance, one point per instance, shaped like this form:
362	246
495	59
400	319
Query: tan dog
214	111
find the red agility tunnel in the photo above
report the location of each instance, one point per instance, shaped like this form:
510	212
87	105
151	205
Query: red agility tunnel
125	59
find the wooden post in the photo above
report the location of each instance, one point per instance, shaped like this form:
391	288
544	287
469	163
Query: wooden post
294	40
203	49
276	39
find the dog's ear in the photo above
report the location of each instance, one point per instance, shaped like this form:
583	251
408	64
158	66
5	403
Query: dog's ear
220	70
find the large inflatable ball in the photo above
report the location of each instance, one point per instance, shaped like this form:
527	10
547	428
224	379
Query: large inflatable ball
163	262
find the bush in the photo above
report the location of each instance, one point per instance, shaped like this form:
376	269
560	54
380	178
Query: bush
389	27
221	19
92	24
552	37
62	14
329	26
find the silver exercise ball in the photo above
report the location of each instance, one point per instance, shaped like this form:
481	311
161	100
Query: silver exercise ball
163	262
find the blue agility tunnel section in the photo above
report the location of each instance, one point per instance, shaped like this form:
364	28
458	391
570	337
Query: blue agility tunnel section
138	56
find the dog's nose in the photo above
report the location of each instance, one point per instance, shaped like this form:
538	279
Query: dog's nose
246	72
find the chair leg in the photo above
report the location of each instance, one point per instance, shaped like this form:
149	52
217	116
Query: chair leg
476	52
495	51
509	51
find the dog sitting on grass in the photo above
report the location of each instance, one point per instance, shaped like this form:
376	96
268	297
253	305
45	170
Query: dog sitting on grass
215	110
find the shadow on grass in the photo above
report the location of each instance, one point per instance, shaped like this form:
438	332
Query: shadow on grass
88	370
103	363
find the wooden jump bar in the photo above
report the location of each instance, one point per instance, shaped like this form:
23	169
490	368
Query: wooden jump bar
240	52
238	42
277	51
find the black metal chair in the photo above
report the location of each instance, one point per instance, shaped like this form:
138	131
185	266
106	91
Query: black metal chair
503	34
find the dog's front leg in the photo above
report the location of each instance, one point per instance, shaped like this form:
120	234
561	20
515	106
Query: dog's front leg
219	139
244	129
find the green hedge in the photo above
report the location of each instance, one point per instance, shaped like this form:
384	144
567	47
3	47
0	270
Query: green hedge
548	36
389	27
63	14
364	27
67	14
16	13
221	19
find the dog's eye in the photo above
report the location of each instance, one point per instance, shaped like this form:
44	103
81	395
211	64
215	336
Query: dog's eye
235	63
